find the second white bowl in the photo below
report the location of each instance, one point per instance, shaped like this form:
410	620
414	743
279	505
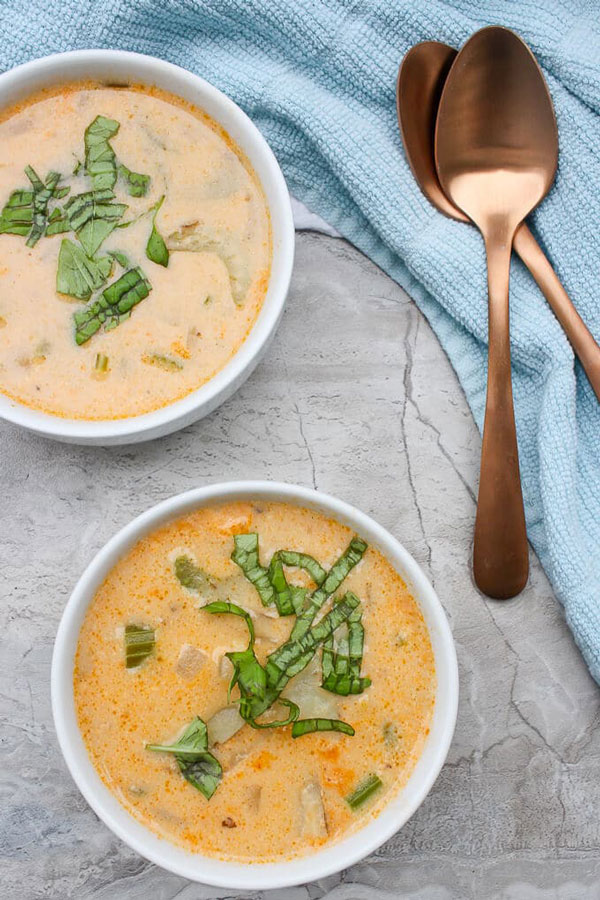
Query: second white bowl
119	66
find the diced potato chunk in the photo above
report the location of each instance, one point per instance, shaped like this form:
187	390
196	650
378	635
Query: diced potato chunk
223	725
314	823
190	661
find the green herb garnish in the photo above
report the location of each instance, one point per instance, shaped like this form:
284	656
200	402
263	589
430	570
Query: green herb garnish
17	214
100	162
364	789
245	555
197	764
113	306
77	275
137	185
156	249
139	643
120	258
41	197
308	726
93	216
341	669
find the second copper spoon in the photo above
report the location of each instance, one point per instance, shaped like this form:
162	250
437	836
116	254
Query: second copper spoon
496	151
420	81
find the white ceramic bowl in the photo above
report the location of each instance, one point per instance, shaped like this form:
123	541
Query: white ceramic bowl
261	875
119	66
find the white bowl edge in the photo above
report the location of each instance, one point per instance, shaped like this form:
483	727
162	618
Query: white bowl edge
261	875
75	65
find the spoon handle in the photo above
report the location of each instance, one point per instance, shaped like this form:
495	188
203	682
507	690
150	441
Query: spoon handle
500	551
580	337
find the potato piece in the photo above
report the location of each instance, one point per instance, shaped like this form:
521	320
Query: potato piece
305	690
223	725
190	661
314	823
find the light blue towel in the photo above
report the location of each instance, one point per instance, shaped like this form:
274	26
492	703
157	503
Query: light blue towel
318	78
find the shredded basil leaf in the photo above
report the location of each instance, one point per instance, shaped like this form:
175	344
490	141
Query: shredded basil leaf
341	669
17	214
77	275
196	764
113	306
156	249
308	726
245	555
100	162
93	217
120	258
137	185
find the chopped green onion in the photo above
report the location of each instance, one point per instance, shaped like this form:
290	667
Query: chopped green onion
162	362
190	575
308	726
101	363
139	643
365	789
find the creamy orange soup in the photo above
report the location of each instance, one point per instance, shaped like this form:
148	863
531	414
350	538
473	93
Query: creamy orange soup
277	795
204	280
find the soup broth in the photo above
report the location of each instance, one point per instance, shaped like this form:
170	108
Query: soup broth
253	794
200	257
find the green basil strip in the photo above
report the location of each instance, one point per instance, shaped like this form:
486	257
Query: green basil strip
334	578
285	597
77	275
245	555
58	222
294	713
295	654
308	726
100	162
251	679
41	197
304	561
220	607
341	670
196	764
137	185
17	214
120	258
113	306
139	643
93	217
156	249
365	789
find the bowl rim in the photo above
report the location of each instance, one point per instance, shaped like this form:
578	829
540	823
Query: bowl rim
299	870
204	399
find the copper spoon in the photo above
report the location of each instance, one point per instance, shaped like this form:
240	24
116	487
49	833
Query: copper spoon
420	82
496	150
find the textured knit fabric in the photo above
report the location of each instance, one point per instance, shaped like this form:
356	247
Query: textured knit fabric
318	78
